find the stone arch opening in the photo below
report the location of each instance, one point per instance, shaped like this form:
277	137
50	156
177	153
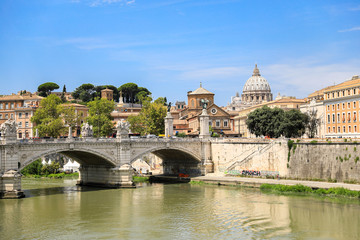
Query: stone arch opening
83	157
176	161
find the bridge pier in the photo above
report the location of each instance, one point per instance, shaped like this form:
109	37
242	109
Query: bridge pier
10	185
105	176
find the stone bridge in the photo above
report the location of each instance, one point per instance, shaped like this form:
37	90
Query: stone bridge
104	162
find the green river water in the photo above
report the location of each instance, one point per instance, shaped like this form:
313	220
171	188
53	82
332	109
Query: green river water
57	209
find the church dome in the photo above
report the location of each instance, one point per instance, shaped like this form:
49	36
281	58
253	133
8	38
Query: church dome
256	82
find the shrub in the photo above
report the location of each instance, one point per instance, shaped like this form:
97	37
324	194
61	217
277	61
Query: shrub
313	142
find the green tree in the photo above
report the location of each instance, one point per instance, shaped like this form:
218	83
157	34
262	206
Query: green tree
63	98
51	168
33	168
129	91
265	122
99	116
46	88
86	92
274	122
151	118
142	94
294	123
47	117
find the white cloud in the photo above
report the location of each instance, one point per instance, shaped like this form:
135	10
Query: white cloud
350	29
301	79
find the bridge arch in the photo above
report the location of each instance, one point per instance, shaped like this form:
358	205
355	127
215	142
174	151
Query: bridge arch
81	155
175	160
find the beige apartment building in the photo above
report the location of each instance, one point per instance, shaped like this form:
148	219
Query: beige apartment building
20	107
342	110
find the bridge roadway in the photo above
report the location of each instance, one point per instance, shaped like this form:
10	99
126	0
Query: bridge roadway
104	162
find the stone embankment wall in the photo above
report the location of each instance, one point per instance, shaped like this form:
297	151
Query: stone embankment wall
254	155
307	160
340	161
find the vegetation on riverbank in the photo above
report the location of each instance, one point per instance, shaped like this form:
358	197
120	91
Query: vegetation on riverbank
137	179
337	192
54	175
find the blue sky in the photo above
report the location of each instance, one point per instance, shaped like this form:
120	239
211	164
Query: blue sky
170	46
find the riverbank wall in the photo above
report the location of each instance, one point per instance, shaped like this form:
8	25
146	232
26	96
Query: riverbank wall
325	160
301	159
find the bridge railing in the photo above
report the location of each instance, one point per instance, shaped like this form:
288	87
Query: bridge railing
67	140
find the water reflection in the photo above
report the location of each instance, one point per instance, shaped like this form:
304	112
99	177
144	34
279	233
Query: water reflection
174	211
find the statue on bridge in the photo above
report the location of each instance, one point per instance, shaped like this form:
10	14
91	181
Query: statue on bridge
8	128
169	107
86	130
122	129
204	103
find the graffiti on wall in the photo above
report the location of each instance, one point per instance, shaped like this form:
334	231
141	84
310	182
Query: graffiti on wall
256	173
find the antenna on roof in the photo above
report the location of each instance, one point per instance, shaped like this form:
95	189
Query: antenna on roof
200	84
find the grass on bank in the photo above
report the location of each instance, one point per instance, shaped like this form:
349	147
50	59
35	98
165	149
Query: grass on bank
54	175
338	192
137	179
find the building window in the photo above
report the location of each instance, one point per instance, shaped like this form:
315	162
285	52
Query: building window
0	116
12	105
217	123
20	124
192	102
348	105
328	118
20	134
344	129
349	129
338	106
354	104
333	117
6	116
355	129
343	93
328	106
225	123
328	129
348	92
6	106
26	115
333	129
20	115
333	95
328	95
1	106
343	117
26	124
338	129
338	117
338	94
354	117
12	116
349	117
343	105
210	123
354	91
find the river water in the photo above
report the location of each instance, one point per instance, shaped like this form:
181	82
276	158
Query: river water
57	209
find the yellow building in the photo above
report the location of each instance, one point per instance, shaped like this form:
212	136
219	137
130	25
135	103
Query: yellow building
285	103
342	109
